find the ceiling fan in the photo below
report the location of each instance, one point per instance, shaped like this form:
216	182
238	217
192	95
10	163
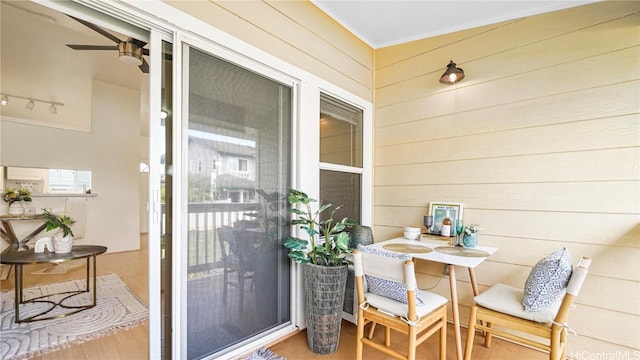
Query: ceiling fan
130	51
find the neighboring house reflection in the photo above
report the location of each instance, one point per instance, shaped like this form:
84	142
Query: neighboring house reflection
222	170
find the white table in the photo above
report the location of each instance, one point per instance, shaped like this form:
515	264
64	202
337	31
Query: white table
451	261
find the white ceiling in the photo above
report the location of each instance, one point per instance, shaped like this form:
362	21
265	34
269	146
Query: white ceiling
382	23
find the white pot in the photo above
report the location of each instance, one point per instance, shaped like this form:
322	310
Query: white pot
62	245
16	208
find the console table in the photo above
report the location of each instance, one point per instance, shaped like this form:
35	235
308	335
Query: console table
26	257
9	235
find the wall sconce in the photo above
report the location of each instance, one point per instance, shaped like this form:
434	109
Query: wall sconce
452	75
31	102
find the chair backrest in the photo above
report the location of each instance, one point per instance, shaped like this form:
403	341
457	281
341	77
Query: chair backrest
225	236
573	289
383	267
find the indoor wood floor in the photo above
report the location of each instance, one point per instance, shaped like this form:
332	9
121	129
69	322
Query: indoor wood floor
133	343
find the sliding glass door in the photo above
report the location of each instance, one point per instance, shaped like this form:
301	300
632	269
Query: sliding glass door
236	153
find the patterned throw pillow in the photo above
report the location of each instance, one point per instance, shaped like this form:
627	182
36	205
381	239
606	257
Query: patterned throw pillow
387	288
547	280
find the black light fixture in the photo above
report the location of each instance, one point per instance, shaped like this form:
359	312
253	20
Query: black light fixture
452	75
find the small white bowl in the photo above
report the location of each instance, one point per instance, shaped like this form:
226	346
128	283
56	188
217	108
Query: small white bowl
411	233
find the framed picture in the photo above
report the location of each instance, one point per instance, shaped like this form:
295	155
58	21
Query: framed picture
439	209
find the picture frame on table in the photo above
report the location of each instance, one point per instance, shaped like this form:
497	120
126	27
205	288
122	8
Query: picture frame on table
438	209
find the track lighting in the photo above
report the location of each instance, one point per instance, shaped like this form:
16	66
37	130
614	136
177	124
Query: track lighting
31	102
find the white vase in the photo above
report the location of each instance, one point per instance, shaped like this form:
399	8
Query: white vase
16	208
62	244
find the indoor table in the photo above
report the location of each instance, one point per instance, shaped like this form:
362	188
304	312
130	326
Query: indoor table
26	257
437	249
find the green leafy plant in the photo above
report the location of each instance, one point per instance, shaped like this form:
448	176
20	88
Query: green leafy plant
12	195
329	241
62	222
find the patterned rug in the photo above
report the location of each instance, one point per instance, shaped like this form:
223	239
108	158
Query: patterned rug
265	354
117	309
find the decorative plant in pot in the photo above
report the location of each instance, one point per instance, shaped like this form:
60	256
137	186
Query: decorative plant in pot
62	243
470	238
16	199
325	267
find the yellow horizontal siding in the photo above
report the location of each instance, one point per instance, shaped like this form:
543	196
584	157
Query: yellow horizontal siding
540	142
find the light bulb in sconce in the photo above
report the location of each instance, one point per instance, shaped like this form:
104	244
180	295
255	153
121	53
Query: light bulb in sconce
53	109
30	105
4	101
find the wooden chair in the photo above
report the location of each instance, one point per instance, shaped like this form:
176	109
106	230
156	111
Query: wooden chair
501	306
237	257
418	322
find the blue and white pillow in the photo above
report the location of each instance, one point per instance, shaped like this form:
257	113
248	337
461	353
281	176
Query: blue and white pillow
387	288
547	281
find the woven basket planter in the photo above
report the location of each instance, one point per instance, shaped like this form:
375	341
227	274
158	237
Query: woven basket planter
324	288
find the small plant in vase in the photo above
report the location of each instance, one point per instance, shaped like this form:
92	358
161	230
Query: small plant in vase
470	238
16	199
62	243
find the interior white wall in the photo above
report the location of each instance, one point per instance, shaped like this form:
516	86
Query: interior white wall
110	151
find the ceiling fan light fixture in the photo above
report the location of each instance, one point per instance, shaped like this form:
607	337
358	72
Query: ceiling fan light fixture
452	75
130	53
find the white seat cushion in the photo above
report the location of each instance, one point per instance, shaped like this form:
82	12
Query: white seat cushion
431	302
508	300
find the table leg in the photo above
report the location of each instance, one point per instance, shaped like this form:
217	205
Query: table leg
454	308
18	290
474	285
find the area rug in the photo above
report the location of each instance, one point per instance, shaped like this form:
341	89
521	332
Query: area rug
117	309
264	354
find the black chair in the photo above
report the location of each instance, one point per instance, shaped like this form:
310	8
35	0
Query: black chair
238	254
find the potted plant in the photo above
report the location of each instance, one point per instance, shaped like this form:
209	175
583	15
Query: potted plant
470	238
16	199
325	266
62	243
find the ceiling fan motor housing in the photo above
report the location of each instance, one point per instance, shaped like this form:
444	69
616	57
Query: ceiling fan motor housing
130	53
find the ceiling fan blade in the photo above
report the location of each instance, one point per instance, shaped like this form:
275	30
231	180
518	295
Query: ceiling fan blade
93	47
144	67
139	43
97	29
145	52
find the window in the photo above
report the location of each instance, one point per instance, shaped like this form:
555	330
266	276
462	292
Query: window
341	156
69	181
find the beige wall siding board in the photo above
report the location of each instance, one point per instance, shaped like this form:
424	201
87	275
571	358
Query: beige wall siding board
296	34
619	197
613	326
621	66
310	17
606	133
267	40
519	60
588	165
577	227
391	55
617	99
574	227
